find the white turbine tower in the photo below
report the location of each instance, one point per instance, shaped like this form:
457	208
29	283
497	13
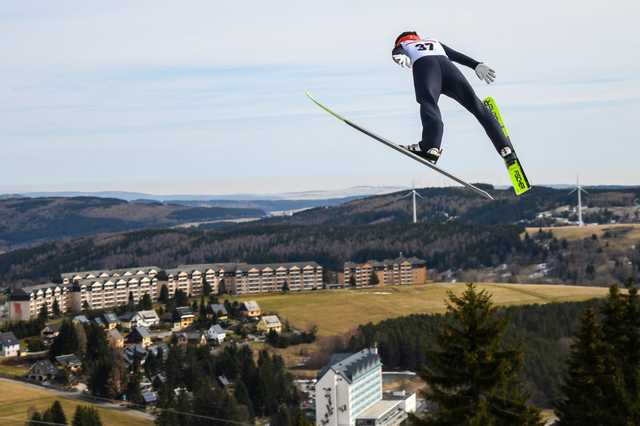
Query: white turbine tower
579	190
413	193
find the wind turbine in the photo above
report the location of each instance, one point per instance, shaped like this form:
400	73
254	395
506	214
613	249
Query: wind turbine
579	190
413	193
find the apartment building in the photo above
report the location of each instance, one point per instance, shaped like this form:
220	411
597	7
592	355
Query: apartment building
243	278
97	289
191	278
399	271
107	289
349	393
274	277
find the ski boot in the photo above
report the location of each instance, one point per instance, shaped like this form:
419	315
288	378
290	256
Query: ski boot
516	173
431	155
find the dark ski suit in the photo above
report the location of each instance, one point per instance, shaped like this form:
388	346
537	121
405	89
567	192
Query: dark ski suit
435	74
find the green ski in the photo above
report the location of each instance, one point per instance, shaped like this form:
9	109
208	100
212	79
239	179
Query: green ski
514	168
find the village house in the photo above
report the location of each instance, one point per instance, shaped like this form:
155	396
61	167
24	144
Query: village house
49	332
115	339
9	345
197	338
216	334
134	352
81	319
268	323
181	339
69	362
250	309
139	335
148	318
42	371
183	317
219	311
110	320
160	349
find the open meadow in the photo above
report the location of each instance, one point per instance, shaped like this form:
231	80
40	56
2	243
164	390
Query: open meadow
17	398
338	311
622	235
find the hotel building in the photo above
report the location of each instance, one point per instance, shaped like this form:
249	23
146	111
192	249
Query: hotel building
349	393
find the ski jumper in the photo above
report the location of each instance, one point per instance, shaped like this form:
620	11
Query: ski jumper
433	74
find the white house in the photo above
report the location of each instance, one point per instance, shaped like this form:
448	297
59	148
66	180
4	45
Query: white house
146	318
216	334
9	344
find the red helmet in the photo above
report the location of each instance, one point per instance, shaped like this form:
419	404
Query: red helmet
407	35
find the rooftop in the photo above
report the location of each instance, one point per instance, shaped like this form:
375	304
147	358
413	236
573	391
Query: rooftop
8	339
379	409
250	305
354	365
271	319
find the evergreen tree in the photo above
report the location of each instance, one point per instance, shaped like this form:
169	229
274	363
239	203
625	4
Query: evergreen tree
242	396
43	314
589	378
472	377
131	303
134	393
81	335
86	416
66	342
35	420
57	413
352	280
164	294
285	287
202	312
145	303
180	298
85	306
373	279
206	287
56	309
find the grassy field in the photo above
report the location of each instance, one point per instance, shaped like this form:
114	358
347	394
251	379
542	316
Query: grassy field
9	370
16	399
338	311
580	232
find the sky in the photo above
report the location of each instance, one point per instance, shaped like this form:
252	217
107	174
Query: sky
208	96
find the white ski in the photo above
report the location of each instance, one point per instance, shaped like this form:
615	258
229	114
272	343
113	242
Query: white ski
401	150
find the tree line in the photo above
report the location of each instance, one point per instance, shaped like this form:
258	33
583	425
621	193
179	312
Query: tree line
85	415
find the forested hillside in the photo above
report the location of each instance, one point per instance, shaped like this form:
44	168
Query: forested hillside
25	221
543	332
446	204
442	245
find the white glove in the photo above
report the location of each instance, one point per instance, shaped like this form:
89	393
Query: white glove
402	60
485	73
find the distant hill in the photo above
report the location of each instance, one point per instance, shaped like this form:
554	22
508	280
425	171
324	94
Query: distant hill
25	221
447	204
